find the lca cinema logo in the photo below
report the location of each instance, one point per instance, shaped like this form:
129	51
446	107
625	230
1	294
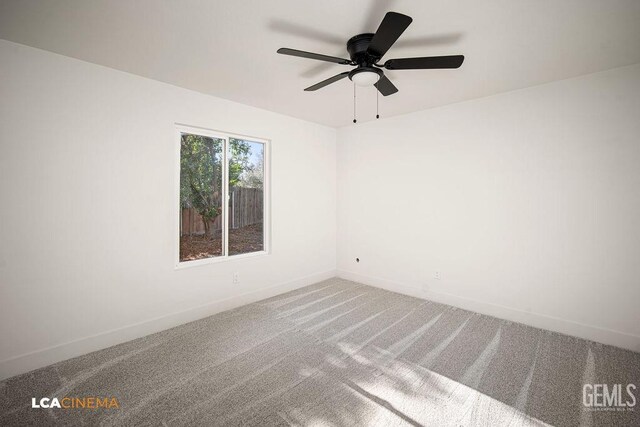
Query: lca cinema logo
609	397
75	403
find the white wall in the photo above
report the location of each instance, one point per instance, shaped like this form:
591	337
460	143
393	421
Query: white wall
528	203
87	169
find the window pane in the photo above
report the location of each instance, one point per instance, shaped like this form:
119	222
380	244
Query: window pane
201	231
246	196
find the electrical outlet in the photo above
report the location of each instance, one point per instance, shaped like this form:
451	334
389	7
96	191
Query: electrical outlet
236	278
437	275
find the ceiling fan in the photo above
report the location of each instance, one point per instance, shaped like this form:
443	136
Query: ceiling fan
366	50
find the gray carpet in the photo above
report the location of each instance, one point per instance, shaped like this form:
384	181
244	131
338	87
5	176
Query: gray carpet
335	353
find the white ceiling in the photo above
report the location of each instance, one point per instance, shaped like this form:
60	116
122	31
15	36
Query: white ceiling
228	48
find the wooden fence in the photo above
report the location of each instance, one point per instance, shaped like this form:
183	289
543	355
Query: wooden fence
246	207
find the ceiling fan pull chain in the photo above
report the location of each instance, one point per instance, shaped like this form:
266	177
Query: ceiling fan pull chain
377	104
354	103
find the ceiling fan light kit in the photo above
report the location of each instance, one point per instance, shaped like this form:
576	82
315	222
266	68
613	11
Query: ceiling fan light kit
365	76
366	50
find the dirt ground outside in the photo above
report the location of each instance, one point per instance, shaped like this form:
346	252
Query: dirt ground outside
241	241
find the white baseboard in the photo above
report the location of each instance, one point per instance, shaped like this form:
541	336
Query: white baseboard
44	357
555	324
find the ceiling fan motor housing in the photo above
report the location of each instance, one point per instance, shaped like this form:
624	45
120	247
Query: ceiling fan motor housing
357	47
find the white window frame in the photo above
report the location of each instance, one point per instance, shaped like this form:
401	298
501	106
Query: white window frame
266	226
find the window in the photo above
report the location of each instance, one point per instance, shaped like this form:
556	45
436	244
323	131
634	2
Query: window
222	196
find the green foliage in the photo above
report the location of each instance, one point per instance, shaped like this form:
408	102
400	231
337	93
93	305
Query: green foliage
201	172
238	161
253	176
201	175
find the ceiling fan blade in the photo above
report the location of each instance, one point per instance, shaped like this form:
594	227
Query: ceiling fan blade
391	27
385	86
311	55
327	82
425	63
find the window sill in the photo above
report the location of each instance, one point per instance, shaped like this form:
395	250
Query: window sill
217	260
